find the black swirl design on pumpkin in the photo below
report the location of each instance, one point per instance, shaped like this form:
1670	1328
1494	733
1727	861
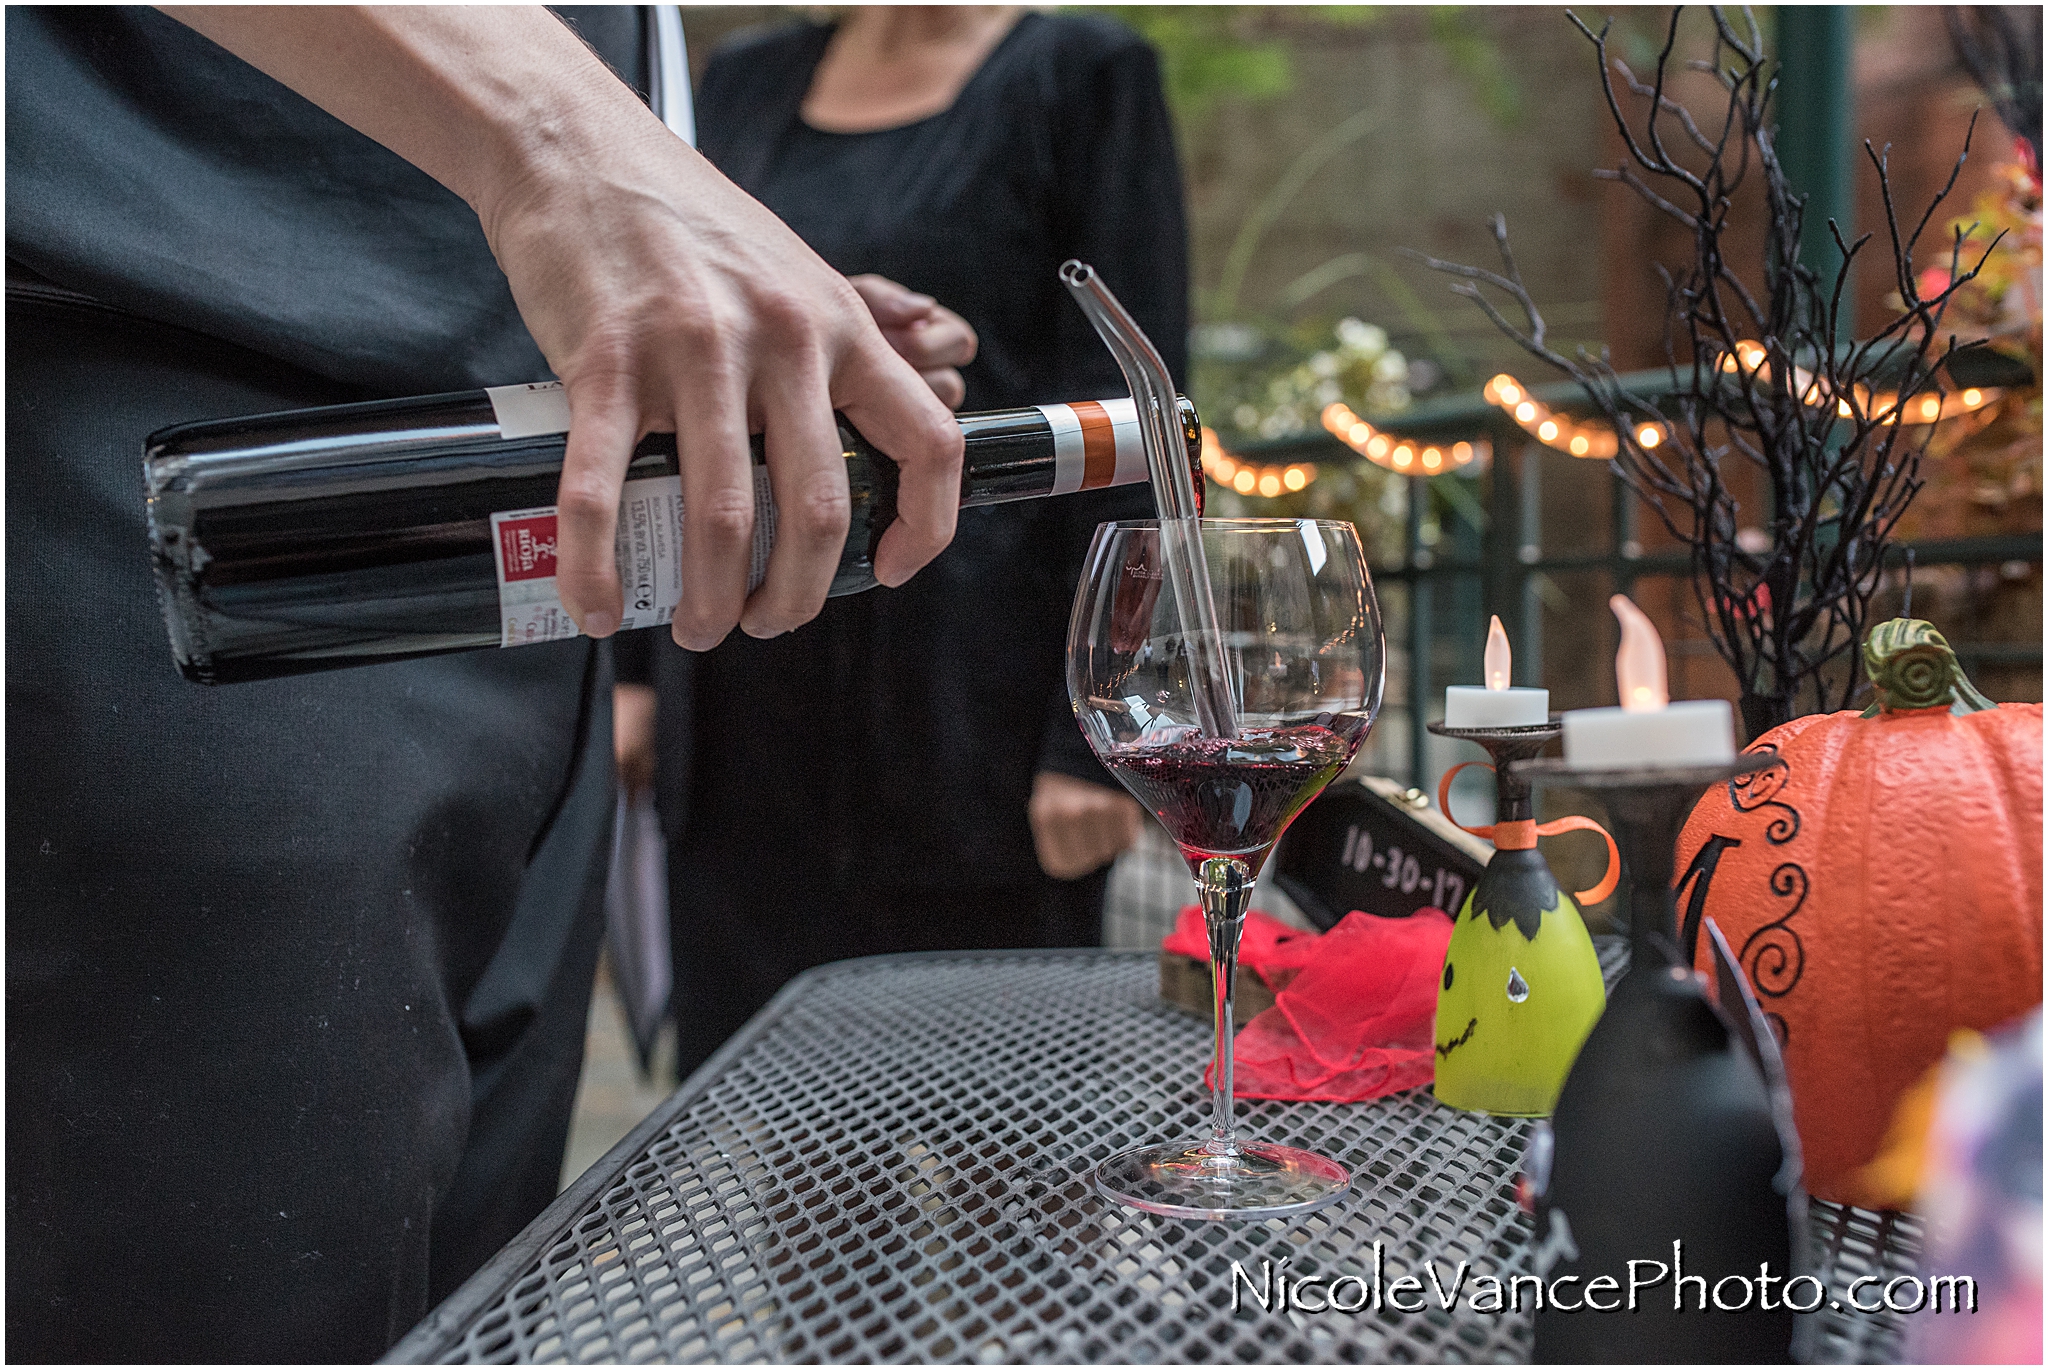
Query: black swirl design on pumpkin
1760	790
1773	956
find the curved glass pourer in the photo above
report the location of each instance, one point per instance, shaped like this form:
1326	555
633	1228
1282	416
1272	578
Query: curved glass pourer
1303	653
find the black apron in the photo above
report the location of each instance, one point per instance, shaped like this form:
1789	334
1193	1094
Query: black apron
297	971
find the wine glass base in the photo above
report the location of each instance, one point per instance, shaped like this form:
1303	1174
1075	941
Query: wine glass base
1250	1180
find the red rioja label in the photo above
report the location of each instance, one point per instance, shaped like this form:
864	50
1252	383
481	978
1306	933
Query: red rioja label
526	546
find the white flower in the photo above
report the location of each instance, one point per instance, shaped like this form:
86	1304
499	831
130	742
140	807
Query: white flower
1390	367
1360	336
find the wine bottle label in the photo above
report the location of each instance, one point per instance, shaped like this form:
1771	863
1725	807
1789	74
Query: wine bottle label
1095	443
528	411
649	551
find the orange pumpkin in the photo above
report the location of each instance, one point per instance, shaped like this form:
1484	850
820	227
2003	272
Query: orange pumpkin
1880	891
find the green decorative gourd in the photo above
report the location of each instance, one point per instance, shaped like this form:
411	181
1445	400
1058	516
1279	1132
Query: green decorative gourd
1521	982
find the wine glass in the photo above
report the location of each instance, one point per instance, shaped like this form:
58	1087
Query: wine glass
1299	642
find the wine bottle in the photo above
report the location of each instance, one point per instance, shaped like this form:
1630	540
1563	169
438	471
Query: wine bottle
358	533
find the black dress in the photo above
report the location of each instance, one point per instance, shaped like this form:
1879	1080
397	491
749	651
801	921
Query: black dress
860	785
297	972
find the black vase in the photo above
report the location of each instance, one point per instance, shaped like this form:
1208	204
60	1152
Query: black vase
1666	1156
1668	1171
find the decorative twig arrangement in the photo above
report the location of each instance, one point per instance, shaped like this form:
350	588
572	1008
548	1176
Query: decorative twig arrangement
1760	378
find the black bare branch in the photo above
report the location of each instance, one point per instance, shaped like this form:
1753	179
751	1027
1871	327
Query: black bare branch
1762	379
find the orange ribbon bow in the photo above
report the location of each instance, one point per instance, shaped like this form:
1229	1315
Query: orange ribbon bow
1522	834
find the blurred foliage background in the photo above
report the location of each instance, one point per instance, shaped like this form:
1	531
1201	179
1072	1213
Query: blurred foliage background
1318	141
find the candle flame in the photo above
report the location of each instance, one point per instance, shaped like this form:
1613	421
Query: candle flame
1500	657
1639	665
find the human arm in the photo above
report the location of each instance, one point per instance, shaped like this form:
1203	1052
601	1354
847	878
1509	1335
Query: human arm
663	297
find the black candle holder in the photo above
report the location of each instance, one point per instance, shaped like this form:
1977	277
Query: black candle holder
1646	809
1506	746
1664	1131
1521	983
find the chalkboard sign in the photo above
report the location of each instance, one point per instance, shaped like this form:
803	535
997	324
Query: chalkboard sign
1362	845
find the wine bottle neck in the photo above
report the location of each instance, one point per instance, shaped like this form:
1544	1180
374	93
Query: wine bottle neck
1059	449
1046	449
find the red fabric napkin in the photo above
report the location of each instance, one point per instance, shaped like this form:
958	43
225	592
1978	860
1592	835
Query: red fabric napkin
1356	1020
1274	951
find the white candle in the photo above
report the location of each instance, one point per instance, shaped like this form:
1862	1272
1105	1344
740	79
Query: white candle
1647	730
1496	704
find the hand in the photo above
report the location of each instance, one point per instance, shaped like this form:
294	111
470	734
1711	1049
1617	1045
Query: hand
1078	826
664	297
924	333
633	710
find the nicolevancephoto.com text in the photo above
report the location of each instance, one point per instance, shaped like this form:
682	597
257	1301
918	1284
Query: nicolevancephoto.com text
1271	1288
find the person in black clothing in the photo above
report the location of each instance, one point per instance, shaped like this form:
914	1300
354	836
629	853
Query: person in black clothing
905	772
298	971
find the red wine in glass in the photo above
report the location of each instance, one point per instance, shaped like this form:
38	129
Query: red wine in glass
1234	797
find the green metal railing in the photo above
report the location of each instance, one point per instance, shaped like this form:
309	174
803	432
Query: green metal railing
1487	573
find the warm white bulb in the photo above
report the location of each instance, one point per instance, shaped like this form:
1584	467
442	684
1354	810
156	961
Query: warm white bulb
1500	657
1639	670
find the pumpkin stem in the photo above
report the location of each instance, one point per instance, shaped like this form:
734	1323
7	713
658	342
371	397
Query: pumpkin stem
1912	666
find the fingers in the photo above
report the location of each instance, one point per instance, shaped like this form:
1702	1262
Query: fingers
807	470
1078	827
897	412
893	305
943	338
718	503
931	337
604	425
947	385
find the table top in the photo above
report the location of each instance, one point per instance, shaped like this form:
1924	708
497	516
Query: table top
890	1163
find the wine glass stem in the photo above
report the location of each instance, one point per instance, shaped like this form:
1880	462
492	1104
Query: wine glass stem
1226	890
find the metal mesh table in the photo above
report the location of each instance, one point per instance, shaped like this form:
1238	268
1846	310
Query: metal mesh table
890	1164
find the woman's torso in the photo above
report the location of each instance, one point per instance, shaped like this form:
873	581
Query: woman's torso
923	708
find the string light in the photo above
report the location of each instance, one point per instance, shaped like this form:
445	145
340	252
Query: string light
1403	456
1882	406
1249	478
1596	441
1552	429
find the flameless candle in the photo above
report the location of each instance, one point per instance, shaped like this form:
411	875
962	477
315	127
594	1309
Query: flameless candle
1495	704
1647	730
